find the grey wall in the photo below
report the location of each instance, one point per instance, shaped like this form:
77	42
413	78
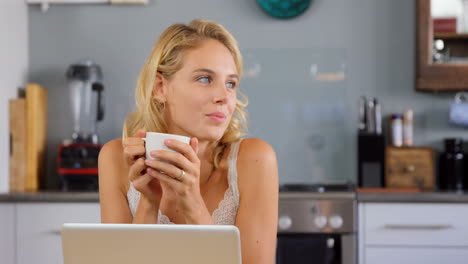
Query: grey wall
375	40
13	72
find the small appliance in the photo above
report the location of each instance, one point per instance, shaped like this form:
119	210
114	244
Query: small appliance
77	159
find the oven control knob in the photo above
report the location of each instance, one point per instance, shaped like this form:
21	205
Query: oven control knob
320	221
336	222
284	222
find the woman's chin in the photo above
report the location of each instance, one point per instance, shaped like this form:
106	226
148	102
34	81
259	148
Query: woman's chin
210	136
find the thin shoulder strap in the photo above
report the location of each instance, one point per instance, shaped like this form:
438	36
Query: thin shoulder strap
232	172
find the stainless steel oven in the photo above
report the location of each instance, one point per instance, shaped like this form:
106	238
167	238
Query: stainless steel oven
317	226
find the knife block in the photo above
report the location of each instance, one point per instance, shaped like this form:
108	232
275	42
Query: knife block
371	160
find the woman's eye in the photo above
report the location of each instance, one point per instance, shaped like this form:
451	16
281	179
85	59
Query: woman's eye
204	79
231	85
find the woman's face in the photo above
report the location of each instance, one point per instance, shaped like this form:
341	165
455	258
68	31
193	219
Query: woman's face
201	96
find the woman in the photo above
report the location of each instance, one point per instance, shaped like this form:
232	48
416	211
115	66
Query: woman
188	87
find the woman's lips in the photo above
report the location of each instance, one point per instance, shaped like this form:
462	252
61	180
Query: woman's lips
217	117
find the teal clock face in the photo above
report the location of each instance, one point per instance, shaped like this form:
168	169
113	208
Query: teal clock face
284	8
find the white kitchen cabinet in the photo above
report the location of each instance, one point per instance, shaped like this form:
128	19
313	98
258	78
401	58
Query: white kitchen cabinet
38	229
413	233
7	233
415	255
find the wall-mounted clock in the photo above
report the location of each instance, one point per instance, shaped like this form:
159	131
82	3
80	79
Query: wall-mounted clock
284	8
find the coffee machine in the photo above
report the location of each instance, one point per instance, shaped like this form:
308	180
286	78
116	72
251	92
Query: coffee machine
77	159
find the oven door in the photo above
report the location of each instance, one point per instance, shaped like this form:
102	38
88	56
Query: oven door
315	248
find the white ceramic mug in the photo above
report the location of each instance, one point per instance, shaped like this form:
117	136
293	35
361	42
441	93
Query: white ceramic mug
155	141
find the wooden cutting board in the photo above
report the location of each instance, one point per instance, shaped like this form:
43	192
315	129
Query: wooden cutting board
17	113
36	135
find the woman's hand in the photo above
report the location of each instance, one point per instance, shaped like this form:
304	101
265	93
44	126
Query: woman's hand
134	152
180	171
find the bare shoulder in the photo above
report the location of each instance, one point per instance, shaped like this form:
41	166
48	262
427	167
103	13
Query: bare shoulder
112	147
111	161
256	166
255	150
111	152
111	155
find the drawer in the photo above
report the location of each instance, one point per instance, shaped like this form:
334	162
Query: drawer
7	233
416	255
419	224
38	229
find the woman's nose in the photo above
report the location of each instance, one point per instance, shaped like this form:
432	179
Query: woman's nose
220	94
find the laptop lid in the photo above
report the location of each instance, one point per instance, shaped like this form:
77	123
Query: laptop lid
145	244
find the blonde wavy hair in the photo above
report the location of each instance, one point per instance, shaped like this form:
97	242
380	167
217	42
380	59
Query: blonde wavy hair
166	58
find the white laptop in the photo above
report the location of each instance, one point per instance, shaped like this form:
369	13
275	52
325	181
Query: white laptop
145	244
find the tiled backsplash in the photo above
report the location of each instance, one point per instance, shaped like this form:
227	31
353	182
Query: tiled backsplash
298	104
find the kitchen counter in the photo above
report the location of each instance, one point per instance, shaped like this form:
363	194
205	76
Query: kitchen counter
318	196
50	196
418	197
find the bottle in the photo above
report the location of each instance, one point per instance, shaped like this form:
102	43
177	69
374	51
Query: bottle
397	129
370	116
408	128
451	165
378	117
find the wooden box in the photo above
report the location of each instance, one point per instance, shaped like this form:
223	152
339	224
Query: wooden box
409	167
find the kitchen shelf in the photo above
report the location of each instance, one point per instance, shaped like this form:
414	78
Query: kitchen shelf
46	3
454	36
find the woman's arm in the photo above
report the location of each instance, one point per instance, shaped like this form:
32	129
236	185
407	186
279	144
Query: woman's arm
116	165
258	208
112	196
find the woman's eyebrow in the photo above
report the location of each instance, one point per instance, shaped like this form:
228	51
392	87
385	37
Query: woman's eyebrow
234	76
213	73
205	71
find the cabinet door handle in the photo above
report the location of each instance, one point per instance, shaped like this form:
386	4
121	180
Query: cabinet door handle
55	232
418	226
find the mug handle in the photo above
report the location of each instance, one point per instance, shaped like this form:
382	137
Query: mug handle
144	139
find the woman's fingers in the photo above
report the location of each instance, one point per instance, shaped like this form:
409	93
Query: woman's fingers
134	147
134	152
164	178
141	133
133	141
194	145
175	158
137	169
140	183
166	168
183	148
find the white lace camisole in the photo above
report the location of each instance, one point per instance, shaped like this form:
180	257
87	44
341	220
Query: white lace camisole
226	212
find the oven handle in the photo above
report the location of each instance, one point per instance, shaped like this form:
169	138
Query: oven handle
418	226
330	257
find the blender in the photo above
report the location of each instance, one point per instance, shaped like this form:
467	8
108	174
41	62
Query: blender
77	159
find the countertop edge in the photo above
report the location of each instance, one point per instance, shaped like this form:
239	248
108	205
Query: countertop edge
429	197
50	197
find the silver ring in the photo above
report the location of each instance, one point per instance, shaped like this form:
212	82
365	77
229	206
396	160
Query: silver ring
181	175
